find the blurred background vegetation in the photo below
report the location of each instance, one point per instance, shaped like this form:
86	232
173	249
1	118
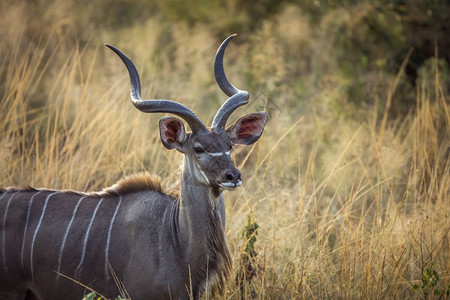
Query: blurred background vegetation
350	182
361	44
360	38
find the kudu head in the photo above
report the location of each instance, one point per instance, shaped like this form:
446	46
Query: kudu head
207	150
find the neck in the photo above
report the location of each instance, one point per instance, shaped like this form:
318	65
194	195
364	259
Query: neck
200	207
201	225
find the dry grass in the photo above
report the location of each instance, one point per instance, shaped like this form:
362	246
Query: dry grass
348	207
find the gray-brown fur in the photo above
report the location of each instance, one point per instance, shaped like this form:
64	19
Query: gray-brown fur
159	246
156	208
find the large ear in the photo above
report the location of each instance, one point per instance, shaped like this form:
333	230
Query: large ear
248	129
172	132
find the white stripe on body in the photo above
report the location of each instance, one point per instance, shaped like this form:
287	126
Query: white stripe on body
86	237
36	232
26	227
108	239
4	231
65	236
4	194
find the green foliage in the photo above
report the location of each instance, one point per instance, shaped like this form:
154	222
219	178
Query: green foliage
249	235
248	268
93	296
430	280
223	16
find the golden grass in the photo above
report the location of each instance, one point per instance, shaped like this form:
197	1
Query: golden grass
347	207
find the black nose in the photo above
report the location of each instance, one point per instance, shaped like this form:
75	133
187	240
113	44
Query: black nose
232	176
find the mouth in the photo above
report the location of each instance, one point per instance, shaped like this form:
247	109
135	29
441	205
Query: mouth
230	185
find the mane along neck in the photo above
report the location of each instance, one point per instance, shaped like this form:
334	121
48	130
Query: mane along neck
129	184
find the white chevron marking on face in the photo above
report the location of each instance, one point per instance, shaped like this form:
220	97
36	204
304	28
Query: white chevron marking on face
218	153
203	174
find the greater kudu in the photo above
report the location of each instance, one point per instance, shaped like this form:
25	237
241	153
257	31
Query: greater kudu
159	246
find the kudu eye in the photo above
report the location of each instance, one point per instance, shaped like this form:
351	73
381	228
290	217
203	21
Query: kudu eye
199	149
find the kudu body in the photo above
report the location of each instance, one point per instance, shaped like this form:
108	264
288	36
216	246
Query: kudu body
159	246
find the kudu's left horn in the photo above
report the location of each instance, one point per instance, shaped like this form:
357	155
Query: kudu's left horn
237	97
156	105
